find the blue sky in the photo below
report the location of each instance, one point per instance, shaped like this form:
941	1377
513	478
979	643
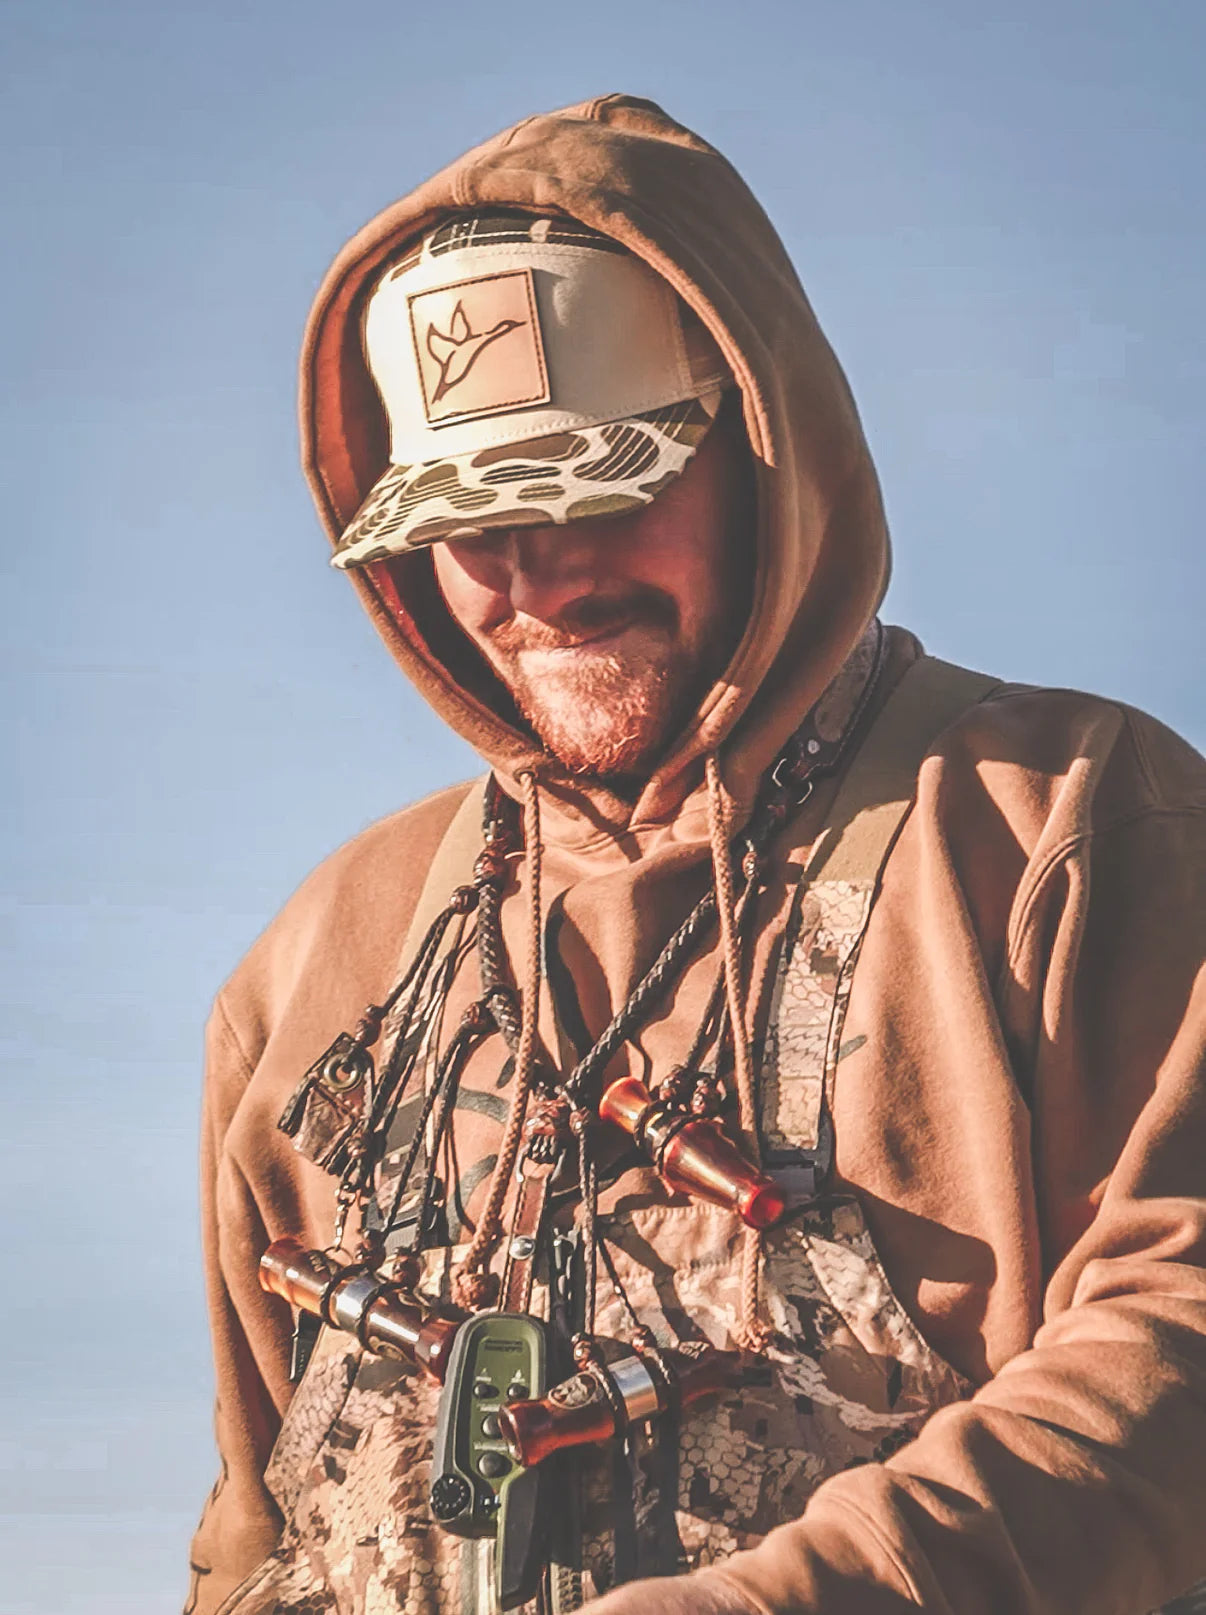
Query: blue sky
998	212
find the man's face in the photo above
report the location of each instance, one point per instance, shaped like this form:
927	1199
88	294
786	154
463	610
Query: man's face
608	631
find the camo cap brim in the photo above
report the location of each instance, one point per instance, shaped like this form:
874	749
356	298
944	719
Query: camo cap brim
603	470
510	402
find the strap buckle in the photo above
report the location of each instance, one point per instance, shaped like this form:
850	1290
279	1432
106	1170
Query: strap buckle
784	775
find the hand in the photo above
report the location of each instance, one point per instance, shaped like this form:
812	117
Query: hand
701	1593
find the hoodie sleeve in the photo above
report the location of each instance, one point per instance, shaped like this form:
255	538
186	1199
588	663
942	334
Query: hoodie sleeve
332	949
240	1523
1074	1479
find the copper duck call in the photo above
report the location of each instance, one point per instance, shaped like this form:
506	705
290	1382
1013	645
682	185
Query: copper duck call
382	1316
604	1399
695	1156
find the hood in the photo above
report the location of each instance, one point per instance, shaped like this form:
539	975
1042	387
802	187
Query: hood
622	166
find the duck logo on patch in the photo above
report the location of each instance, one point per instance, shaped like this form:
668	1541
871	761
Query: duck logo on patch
478	347
457	352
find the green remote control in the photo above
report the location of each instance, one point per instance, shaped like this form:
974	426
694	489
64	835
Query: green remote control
477	1489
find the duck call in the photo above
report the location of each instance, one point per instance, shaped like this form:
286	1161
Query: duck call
605	1398
349	1296
694	1155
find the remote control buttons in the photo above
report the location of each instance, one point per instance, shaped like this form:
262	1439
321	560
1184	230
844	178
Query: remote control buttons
493	1464
491	1427
517	1391
484	1391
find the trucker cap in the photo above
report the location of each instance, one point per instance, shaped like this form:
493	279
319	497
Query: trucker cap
533	371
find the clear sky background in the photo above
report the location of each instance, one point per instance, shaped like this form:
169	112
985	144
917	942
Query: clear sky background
998	212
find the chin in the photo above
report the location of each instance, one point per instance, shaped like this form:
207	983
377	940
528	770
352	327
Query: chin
618	742
603	734
630	758
608	716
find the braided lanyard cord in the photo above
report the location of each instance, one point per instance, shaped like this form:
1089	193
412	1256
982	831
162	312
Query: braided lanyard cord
470	1284
751	1334
647	993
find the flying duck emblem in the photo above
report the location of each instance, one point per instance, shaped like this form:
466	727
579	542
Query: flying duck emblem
458	352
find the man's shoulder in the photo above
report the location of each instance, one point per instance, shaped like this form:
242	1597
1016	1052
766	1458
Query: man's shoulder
355	905
1043	754
398	847
1049	730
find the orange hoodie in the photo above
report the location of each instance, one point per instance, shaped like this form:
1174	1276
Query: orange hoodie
1020	1121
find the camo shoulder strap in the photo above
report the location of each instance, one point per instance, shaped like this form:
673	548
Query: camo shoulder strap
451	866
832	908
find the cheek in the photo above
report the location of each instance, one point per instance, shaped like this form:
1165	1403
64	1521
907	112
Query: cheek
702	596
687	559
473	598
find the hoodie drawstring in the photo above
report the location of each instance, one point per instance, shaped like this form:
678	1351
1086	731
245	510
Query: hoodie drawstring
752	1333
470	1283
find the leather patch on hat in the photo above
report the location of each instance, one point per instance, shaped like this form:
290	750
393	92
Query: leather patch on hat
478	347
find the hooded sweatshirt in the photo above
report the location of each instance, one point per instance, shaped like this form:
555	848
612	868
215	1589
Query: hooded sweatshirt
1021	1118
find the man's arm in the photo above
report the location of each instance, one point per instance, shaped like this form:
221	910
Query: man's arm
240	1523
1075	1479
331	950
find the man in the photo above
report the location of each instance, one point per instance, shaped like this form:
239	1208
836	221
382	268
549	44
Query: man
922	949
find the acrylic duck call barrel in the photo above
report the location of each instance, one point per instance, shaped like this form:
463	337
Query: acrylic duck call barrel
300	1276
380	1314
603	1401
576	1413
695	1156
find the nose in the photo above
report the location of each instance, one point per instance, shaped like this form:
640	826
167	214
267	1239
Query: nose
550	567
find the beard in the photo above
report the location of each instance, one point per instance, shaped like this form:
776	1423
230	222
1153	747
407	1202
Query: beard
602	713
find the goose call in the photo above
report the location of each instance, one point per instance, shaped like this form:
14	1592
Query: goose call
694	1156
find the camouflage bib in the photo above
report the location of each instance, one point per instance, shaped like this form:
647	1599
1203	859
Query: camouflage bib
847	1380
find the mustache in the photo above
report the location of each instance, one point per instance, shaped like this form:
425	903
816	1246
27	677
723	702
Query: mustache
584	619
